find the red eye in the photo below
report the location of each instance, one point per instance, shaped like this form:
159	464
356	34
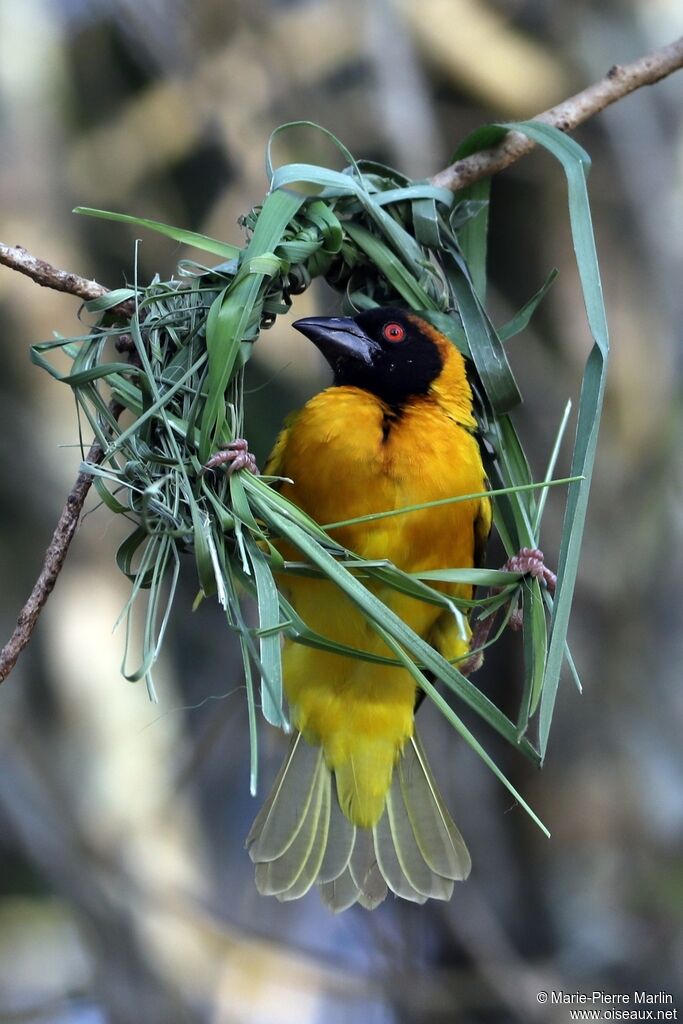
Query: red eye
393	332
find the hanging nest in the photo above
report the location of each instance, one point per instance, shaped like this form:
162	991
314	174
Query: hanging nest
378	239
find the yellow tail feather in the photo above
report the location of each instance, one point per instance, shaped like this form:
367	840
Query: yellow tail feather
361	839
363	780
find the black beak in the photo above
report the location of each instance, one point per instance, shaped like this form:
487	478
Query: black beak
338	337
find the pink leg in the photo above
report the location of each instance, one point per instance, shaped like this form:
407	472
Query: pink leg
234	456
528	561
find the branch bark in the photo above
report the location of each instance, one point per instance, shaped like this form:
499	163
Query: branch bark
43	273
52	565
17	258
617	83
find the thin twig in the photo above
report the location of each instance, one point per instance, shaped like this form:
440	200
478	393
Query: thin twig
617	83
17	258
54	558
52	565
43	273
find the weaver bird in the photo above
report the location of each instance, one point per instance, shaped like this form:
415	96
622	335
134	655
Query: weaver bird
355	808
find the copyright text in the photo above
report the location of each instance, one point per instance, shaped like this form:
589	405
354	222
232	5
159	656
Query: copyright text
611	1006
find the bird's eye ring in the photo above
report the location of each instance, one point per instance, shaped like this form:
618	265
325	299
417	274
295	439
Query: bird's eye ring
393	332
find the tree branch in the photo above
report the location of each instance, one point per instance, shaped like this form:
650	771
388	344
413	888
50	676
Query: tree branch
43	273
617	83
52	565
17	258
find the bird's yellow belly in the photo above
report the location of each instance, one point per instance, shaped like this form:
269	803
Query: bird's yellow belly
362	711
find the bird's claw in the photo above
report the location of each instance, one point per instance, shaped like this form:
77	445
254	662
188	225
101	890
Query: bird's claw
473	662
529	562
234	456
516	620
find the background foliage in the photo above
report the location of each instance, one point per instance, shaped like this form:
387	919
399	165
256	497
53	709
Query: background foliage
126	893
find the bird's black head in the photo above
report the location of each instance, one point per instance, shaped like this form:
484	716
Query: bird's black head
391	353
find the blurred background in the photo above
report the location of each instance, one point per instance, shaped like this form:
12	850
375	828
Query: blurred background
125	892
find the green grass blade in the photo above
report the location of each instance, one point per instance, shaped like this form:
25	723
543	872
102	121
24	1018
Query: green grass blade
495	493
269	642
192	238
521	319
552	462
391	266
575	163
472	577
535	650
473	234
232	311
110	299
459	725
485	345
377	611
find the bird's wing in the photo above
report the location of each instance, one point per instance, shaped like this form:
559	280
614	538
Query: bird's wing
482	529
275	463
446	634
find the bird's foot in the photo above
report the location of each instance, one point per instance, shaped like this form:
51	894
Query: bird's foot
528	562
234	456
474	661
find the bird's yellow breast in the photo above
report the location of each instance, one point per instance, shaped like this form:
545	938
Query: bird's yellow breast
349	456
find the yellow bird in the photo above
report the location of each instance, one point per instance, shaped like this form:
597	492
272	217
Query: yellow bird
355	808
